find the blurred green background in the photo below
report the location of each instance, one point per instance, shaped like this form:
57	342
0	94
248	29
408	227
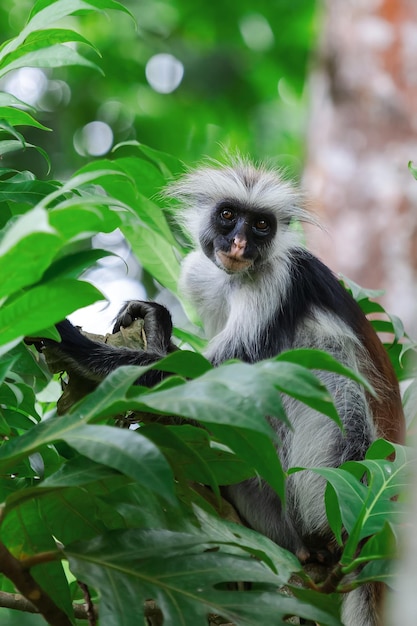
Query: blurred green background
191	78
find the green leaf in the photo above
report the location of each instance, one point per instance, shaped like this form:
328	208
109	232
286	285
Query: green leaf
193	340
377	571
280	561
127	451
12	131
258	450
12	146
72	265
167	163
77	471
412	169
9	100
156	255
386	479
351	493
410	403
16	117
79	180
185	363
23	187
57	55
98	4
75	513
319	360
82	220
132	566
380	546
212	398
228	468
26	250
185	460
48	37
42	306
360	293
43	14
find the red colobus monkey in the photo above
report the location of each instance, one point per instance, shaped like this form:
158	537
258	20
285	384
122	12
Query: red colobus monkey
258	292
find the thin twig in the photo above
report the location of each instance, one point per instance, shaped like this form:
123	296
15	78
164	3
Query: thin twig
90	609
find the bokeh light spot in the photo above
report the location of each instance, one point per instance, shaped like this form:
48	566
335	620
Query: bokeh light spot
164	72
94	139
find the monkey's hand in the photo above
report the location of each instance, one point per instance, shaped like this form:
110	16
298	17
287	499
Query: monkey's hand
157	324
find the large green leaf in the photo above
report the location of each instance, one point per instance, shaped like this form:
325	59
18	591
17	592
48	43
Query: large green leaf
168	164
143	179
259	452
228	533
184	458
82	217
42	306
365	509
26	250
130	453
254	389
200	457
153	251
131	567
9	100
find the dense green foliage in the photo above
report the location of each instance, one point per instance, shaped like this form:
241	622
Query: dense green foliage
243	82
119	509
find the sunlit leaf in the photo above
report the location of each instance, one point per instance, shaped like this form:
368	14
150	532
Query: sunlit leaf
16	117
26	250
42	306
57	55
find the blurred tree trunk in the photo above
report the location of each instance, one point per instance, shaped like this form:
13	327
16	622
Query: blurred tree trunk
362	133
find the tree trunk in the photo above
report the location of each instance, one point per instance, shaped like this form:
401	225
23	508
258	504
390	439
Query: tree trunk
362	133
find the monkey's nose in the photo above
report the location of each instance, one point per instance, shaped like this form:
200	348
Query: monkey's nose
239	243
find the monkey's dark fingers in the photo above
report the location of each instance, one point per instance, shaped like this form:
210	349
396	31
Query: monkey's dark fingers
148	311
38	342
131	311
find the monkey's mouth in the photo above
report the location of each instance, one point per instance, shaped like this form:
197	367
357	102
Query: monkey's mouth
231	263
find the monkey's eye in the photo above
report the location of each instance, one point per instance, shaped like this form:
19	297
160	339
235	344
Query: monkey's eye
227	214
262	226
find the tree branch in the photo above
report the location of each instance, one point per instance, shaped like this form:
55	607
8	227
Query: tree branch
28	587
20	603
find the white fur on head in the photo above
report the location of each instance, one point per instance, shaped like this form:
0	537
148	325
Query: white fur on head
261	188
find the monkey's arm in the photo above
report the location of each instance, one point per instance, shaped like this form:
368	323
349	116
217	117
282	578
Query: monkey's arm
93	360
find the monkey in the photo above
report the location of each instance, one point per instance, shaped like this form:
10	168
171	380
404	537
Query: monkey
258	292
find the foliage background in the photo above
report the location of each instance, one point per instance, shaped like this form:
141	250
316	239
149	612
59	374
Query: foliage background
234	93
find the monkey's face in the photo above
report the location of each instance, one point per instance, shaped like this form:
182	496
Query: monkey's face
238	237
